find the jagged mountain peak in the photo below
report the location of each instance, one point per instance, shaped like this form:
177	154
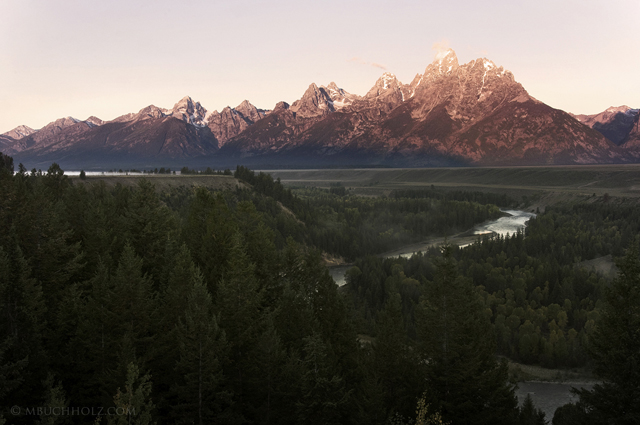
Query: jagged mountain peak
232	121
474	113
387	82
189	111
282	105
339	96
333	86
445	54
186	100
186	104
445	63
249	111
62	122
314	102
616	123
150	111
244	105
93	121
615	109
19	132
491	69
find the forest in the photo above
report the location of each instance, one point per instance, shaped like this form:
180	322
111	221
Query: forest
126	305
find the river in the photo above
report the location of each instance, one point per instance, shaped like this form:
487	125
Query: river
548	396
516	220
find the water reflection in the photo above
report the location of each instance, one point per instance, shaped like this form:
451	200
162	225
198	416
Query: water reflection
508	225
505	225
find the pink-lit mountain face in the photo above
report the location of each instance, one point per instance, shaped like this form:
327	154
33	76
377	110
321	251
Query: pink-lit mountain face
615	123
451	114
474	114
19	132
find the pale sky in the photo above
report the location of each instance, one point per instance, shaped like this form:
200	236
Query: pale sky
110	57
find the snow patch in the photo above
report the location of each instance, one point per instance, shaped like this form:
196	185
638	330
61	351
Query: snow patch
388	78
441	55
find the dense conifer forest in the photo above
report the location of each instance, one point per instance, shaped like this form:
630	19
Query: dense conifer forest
195	306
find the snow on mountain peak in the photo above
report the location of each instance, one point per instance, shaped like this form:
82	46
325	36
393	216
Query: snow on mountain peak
339	96
93	121
189	111
20	132
388	79
443	54
488	65
444	63
623	108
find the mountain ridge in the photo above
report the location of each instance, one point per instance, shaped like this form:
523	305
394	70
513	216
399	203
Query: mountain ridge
451	114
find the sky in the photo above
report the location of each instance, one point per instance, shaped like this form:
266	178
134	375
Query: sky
107	58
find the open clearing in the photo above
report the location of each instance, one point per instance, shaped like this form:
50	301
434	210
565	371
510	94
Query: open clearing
549	184
166	181
556	183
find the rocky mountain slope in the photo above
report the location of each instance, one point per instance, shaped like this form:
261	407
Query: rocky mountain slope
615	123
474	114
451	114
184	132
632	141
19	132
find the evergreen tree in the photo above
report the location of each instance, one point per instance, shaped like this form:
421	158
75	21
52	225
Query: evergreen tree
465	382
116	328
208	232
529	414
202	349
395	364
616	350
54	401
278	381
132	312
22	324
6	164
133	406
325	396
239	302
148	225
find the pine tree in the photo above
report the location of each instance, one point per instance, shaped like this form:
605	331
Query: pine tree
616	350
133	406
132	311
148	224
529	414
116	327
200	397
465	382
279	378
260	247
239	302
208	232
325	396
395	364
54	401
22	321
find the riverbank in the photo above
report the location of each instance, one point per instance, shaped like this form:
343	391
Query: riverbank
509	223
548	396
519	372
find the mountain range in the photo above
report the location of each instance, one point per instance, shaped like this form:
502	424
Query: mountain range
474	114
